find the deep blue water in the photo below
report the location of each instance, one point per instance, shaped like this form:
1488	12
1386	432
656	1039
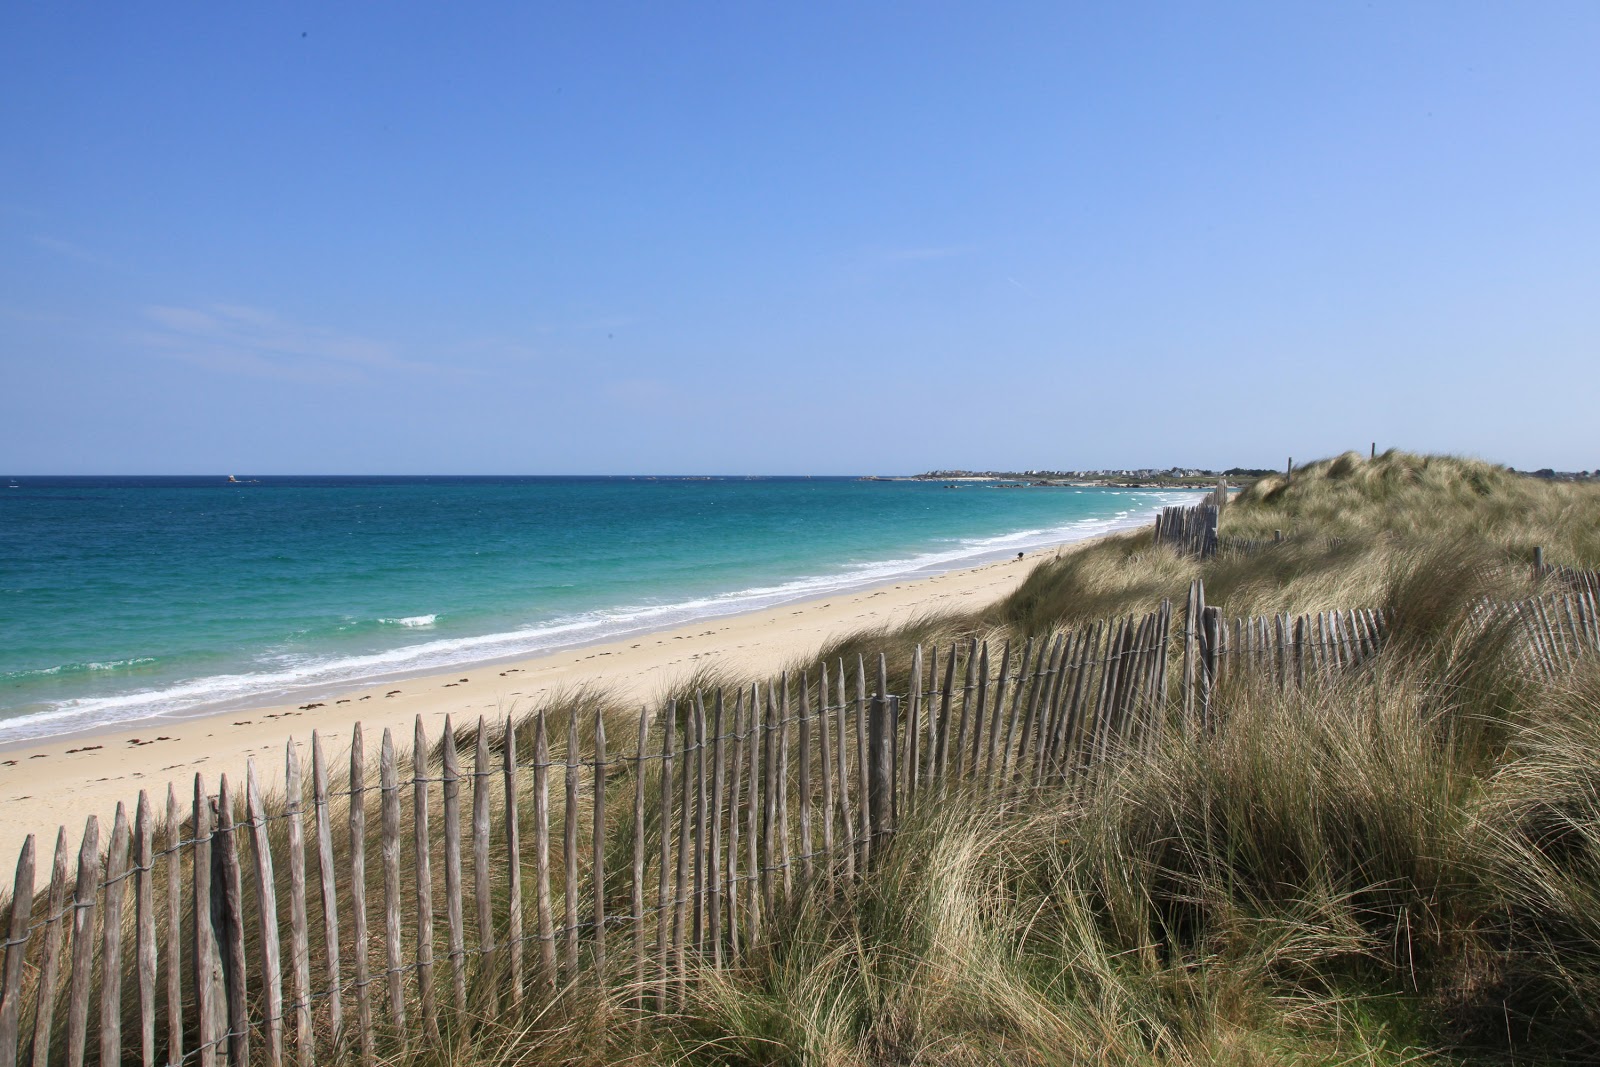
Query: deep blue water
126	597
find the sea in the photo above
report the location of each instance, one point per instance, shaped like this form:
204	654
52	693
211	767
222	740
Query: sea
125	599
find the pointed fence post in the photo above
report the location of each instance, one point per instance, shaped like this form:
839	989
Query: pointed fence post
16	950
226	850
327	885
423	852
358	890
880	772
84	906
266	917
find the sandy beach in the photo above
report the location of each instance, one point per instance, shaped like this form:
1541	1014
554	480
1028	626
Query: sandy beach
44	784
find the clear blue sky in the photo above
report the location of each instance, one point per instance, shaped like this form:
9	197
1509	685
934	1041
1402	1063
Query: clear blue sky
797	238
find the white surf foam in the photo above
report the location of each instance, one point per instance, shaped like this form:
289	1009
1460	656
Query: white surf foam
413	622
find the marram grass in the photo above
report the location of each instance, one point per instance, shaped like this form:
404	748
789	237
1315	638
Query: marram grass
1403	868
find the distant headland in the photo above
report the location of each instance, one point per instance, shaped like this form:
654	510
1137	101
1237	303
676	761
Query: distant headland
1129	478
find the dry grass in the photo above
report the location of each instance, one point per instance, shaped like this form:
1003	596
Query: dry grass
1403	867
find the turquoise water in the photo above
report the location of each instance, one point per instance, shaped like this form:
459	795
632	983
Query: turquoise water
126	598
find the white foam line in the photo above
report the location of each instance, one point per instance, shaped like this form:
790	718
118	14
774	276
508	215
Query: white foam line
199	695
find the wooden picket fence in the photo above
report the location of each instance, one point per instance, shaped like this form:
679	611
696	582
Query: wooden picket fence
1290	649
1573	578
560	856
1192	530
241	950
1551	630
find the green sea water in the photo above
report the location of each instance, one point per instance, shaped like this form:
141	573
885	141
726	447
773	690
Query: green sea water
127	598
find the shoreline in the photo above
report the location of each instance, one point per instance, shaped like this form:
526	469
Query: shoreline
63	779
312	677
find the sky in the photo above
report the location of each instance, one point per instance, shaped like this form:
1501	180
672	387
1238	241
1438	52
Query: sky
794	238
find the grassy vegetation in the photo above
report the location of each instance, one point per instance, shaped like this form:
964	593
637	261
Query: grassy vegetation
1400	867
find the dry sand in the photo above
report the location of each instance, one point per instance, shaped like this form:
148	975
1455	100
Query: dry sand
44	784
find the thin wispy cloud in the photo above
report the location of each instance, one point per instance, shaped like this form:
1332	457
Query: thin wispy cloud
917	255
250	341
70	250
876	262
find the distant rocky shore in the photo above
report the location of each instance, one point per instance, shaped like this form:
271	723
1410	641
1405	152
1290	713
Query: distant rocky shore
1141	478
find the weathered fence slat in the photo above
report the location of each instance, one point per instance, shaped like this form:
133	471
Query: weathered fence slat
111	941
480	847
541	850
681	883
697	924
50	957
84	898
784	853
299	931
1000	742
16	953
756	729
805	779
663	879
719	772
266	915
423	849
174	930
732	901
360	936
598	866
204	936
234	979
569	850
389	792
513	859
327	879
145	922
863	824
636	900
454	919
911	765
769	805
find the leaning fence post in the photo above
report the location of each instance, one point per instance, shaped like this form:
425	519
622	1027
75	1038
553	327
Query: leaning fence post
204	936
389	797
1210	624
84	901
266	917
598	869
16	950
358	888
225	857
326	880
880	770
50	967
174	929
111	941
513	860
422	848
454	919
299	934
